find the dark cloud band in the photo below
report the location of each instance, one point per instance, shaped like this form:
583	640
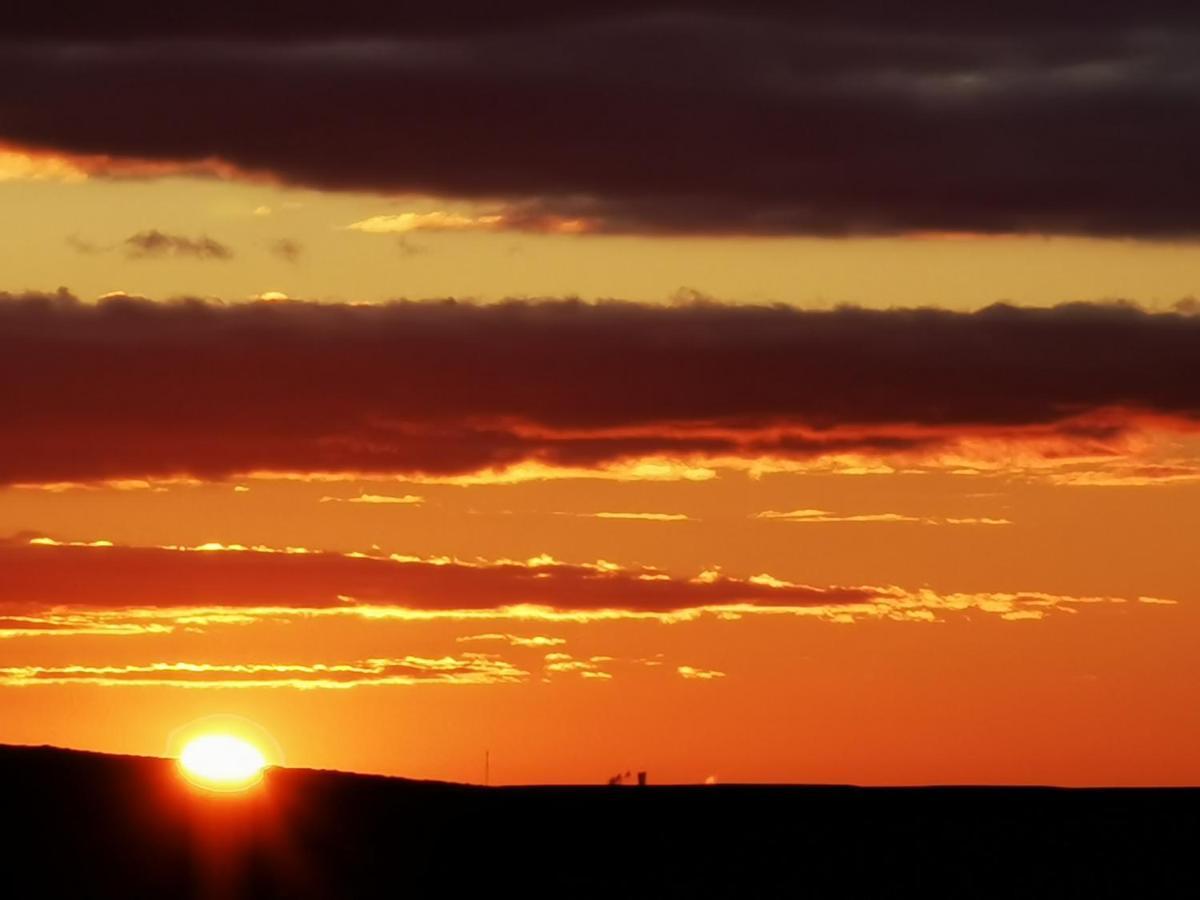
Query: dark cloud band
58	590
129	388
40	578
134	20
710	119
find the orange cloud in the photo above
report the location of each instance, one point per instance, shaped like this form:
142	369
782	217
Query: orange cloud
96	588
43	573
16	165
24	162
504	220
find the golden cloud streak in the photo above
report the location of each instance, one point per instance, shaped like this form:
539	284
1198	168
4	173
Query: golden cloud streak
693	674
514	640
500	220
406	499
24	163
893	604
1130	460
817	516
634	516
409	670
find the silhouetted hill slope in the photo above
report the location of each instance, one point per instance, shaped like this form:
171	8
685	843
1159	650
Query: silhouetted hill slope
91	825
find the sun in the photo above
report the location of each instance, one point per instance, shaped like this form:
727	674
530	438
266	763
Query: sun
222	762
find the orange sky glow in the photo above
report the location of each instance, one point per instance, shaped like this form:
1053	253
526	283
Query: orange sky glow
592	465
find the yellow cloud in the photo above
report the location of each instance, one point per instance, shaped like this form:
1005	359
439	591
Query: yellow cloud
824	516
437	220
406	499
470	668
17	166
695	674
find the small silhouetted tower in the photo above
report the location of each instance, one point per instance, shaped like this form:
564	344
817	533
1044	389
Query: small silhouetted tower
641	779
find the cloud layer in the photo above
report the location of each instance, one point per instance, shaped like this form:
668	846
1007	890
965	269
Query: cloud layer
39	576
55	589
129	389
710	118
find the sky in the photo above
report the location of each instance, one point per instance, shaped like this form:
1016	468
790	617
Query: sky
733	392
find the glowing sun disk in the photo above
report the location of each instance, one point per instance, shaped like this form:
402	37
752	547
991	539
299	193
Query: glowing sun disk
222	762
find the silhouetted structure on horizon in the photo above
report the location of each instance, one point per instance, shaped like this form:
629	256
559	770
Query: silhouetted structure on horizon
620	777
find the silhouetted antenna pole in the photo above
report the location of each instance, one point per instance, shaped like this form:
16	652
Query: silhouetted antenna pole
487	767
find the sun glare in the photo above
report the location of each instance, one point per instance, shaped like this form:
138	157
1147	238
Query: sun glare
221	762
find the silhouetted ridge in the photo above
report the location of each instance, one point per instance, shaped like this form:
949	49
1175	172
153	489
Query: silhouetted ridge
95	825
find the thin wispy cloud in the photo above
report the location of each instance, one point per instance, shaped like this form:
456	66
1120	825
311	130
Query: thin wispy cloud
559	663
155	244
514	640
468	669
403	223
287	249
378	499
822	516
633	516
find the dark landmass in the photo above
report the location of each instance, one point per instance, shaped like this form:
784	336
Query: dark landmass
92	825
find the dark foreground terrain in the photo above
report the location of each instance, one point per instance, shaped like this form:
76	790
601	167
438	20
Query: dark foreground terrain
89	825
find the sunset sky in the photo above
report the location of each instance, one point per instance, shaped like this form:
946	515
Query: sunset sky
716	389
